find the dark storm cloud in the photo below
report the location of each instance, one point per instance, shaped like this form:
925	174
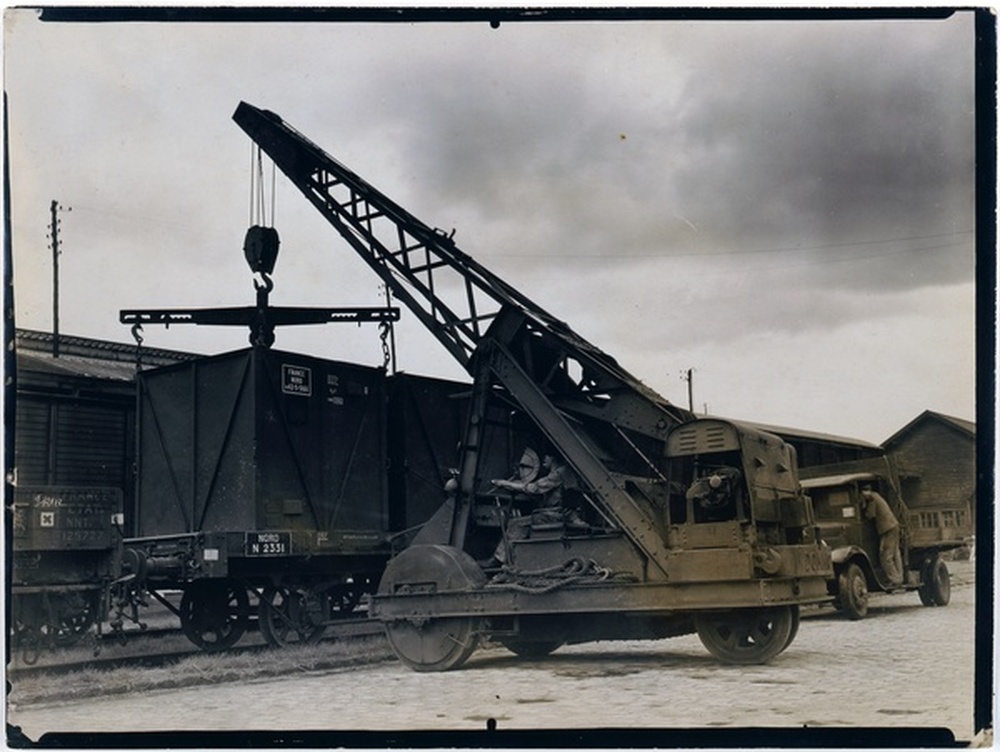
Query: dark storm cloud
834	139
842	148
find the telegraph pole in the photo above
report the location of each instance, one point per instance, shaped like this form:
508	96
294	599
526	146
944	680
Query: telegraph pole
54	234
689	377
54	207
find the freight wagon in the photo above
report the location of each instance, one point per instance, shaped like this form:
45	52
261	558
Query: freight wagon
273	487
70	500
65	554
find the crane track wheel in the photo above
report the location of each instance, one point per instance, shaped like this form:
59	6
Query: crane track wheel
429	643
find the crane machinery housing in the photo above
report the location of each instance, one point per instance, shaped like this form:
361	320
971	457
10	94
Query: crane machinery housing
679	524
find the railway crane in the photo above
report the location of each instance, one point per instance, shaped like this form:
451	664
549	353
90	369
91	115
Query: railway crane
679	524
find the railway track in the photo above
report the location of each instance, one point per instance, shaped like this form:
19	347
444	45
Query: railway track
156	646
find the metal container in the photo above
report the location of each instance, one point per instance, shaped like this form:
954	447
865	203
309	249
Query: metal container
263	440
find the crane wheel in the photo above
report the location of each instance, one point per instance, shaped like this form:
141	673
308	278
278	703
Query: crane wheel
428	642
747	636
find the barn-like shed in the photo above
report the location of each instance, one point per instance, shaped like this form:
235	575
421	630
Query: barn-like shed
936	458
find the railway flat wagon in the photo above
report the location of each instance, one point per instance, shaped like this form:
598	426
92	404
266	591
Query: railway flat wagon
271	488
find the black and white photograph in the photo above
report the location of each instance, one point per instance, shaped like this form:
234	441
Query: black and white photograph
491	376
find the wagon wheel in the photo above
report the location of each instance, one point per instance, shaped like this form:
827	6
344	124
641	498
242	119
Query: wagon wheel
853	592
286	615
426	642
343	600
75	615
215	613
26	626
746	636
935	585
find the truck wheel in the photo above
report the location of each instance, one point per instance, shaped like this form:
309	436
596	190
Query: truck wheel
746	636
935	585
853	592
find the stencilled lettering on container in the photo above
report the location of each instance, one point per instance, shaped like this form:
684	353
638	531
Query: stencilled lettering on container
296	380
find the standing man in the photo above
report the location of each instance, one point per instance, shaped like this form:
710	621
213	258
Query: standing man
877	508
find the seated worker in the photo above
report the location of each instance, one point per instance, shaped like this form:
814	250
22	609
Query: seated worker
549	489
715	495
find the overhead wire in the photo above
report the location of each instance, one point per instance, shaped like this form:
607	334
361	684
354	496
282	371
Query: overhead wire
748	251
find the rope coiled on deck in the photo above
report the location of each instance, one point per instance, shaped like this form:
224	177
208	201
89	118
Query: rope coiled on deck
573	571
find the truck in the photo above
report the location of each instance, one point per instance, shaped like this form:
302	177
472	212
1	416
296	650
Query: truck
927	535
679	524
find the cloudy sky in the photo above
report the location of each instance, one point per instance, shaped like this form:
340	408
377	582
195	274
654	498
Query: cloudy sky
786	207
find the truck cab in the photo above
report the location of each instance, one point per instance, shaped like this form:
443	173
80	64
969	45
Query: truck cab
855	543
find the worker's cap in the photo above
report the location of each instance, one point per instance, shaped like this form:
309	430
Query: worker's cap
527	467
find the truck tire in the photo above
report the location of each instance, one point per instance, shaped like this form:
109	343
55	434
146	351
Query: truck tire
853	592
935	585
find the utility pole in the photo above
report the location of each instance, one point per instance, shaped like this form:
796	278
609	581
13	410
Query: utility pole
54	234
689	378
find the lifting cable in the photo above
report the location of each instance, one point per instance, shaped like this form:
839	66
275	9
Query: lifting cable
258	195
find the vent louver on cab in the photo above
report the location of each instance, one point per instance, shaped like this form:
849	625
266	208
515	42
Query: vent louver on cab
703	438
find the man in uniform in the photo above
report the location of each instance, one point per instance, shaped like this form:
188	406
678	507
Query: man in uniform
877	508
549	489
717	495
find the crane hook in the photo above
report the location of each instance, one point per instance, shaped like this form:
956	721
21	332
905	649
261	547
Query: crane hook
266	285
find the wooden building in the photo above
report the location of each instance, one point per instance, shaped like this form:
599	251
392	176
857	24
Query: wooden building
74	420
936	458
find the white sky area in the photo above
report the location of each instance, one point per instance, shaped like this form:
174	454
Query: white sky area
785	207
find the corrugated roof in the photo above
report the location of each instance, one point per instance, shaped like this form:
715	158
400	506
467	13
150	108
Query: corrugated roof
87	358
74	365
26	340
825	438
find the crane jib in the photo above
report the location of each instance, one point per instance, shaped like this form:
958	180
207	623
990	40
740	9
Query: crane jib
421	265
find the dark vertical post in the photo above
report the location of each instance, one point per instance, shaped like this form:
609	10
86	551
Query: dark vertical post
54	208
690	381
